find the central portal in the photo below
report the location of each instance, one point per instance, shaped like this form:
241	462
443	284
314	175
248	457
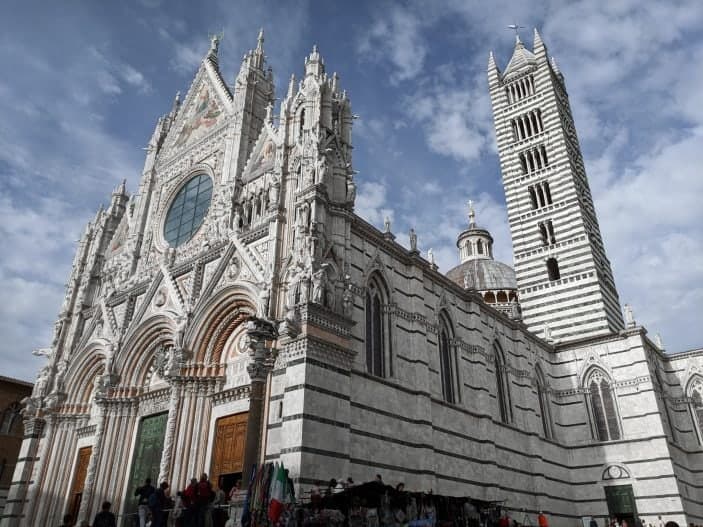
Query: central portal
147	456
228	451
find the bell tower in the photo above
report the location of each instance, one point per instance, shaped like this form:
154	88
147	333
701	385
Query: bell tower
564	279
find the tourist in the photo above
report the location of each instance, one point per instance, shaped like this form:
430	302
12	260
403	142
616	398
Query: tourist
350	482
330	487
400	487
660	522
67	521
175	519
219	517
236	501
638	522
157	503
379	479
315	496
105	518
203	499
542	520
190	503
593	522
143	493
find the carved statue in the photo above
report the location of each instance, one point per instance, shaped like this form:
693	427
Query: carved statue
319	284
179	334
413	240
321	168
58	326
351	191
347	300
274	190
387	225
430	257
40	384
264	297
59	379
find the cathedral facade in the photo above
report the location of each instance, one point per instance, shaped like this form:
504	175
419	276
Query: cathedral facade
235	309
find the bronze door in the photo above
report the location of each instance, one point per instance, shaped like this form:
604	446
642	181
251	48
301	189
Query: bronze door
147	456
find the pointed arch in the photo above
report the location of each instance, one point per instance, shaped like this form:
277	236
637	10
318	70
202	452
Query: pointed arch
544	402
448	366
378	352
502	383
602	406
694	392
81	373
137	354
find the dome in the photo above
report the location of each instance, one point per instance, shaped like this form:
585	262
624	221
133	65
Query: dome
483	274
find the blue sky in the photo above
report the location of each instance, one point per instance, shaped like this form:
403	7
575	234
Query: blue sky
84	82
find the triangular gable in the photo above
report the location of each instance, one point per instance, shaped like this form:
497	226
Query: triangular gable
205	106
262	156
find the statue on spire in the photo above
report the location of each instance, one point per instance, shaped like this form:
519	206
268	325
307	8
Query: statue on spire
472	214
516	28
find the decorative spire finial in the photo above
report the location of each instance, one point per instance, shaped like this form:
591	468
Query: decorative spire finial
472	214
260	40
516	28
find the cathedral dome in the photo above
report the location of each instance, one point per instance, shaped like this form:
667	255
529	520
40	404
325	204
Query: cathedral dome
483	274
495	281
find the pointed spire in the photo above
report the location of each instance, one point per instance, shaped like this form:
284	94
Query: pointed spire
314	63
121	189
260	40
555	67
176	104
291	85
214	47
537	43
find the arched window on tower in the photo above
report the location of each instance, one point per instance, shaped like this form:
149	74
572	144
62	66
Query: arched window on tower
479	247
544	406
553	269
695	396
446	359
604	416
502	384
377	335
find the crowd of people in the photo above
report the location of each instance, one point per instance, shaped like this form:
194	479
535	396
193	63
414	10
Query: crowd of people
198	505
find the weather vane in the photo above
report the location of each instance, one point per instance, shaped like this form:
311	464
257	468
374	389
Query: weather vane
516	28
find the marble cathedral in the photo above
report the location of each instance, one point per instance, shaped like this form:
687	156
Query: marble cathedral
236	309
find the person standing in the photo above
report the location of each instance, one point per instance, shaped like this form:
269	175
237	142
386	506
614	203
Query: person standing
143	493
157	503
105	518
190	503
542	520
205	496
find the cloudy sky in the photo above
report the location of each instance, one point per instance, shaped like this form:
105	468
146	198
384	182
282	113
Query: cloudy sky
84	82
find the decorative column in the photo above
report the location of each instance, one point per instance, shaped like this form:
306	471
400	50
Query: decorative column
17	496
89	485
259	331
174	409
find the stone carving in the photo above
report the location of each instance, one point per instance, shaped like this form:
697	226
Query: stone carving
274	191
351	191
179	333
321	169
413	240
59	378
629	317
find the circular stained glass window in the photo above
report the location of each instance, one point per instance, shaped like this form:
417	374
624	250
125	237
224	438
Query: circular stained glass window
188	210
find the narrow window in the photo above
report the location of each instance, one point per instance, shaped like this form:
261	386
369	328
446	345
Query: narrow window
544	409
695	394
533	197
553	269
602	404
545	159
523	164
543	234
302	122
479	247
550	232
445	363
547	192
376	329
503	391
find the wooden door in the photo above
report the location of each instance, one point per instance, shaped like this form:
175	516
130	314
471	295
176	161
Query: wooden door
79	475
228	451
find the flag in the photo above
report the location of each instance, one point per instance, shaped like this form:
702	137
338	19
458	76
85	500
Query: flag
246	514
278	491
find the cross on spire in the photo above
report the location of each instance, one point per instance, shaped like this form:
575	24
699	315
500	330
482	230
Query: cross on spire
516	27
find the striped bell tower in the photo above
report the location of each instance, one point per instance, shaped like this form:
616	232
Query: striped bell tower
564	280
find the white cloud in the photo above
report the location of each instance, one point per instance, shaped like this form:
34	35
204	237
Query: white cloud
371	203
395	36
